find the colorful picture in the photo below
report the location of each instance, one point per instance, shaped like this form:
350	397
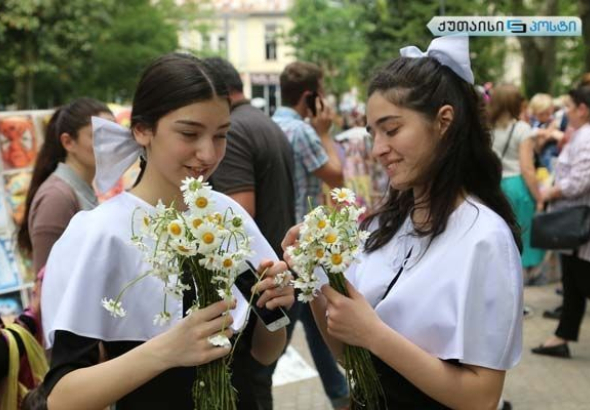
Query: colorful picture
17	141
11	305
8	266
15	186
5	225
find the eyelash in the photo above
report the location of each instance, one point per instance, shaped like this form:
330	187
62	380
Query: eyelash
391	133
189	134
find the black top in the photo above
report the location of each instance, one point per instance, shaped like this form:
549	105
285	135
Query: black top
401	394
169	390
259	158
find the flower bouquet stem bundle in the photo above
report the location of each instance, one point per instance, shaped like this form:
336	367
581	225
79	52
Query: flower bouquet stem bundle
330	239
365	388
212	388
195	253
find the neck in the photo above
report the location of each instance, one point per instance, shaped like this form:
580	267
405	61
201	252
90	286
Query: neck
504	120
421	217
300	109
153	187
83	172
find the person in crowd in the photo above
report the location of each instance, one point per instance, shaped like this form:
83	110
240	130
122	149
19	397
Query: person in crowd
316	161
258	160
547	135
61	185
436	297
179	122
514	143
572	188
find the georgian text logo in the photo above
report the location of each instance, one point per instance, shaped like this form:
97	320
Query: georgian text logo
506	26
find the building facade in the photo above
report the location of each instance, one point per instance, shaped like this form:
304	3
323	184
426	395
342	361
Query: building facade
249	33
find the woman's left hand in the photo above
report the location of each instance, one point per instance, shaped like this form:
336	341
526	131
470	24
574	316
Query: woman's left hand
352	319
275	288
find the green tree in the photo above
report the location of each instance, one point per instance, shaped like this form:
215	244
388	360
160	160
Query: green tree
47	37
330	34
138	33
399	23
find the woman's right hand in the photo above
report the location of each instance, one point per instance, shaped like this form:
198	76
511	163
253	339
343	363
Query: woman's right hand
187	343
290	239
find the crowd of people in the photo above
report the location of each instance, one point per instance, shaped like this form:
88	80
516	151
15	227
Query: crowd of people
436	296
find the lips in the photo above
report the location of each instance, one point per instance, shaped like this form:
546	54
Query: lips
196	172
392	164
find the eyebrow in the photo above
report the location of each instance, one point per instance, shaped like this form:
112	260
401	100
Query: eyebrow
384	119
199	124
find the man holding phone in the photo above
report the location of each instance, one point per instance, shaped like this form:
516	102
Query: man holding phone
316	161
257	172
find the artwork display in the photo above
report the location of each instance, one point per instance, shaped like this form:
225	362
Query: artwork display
18	142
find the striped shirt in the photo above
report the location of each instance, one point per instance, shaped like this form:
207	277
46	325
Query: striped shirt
309	155
572	176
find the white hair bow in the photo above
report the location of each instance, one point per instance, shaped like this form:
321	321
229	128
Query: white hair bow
451	51
115	150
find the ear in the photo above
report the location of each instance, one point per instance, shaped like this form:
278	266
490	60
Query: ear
445	117
142	134
67	142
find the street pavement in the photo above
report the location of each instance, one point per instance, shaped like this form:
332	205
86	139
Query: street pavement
537	383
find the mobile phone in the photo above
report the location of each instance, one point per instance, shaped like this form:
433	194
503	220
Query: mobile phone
311	99
273	319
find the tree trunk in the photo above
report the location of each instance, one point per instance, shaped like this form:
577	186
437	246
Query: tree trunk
25	81
539	53
584	7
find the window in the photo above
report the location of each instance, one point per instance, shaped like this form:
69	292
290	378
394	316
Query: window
270	42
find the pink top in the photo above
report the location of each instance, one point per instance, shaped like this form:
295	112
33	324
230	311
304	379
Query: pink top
55	203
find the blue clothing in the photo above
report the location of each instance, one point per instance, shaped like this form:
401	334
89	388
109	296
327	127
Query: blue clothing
309	155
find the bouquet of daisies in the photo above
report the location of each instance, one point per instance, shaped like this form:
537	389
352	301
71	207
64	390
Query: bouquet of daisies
330	239
200	249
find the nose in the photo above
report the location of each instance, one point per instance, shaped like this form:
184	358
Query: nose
380	146
205	150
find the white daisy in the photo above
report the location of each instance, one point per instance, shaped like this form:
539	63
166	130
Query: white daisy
330	236
176	291
219	341
343	195
209	237
162	318
337	261
114	307
184	247
176	229
200	201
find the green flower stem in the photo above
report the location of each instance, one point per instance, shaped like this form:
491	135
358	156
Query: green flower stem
364	386
212	389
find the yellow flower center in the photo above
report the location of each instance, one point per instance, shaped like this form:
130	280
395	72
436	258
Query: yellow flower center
336	259
201	202
321	224
319	253
228	263
197	222
342	195
175	229
331	238
208	238
182	248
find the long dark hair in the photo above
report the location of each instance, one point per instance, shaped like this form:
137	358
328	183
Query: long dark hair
67	119
170	82
463	159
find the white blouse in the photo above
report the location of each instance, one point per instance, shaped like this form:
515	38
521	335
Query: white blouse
94	259
461	297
